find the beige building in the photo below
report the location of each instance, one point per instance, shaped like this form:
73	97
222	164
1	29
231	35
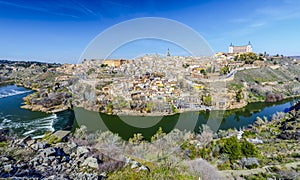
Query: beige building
240	49
114	63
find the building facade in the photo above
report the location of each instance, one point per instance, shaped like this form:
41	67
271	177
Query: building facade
114	63
240	49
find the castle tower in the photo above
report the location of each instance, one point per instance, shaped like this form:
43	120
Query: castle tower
249	47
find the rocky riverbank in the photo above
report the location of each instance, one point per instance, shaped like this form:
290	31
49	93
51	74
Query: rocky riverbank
51	86
47	102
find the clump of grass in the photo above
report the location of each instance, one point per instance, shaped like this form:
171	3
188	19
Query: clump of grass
50	138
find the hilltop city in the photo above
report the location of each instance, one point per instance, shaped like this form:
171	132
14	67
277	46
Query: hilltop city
154	85
158	85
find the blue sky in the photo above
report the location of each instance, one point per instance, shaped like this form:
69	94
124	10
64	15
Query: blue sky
59	30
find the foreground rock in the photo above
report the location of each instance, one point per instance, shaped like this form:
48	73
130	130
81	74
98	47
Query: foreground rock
38	159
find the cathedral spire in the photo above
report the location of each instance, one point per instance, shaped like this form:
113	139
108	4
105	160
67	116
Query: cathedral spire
168	53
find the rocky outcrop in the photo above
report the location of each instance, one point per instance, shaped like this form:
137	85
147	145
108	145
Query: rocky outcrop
29	158
50	103
271	97
290	128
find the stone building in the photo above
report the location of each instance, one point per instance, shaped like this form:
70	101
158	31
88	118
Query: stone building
114	63
240	49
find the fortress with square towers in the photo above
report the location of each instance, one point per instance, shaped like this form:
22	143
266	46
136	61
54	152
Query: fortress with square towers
240	49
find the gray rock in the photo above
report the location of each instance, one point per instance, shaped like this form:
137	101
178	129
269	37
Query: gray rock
35	146
35	164
46	160
55	162
51	177
80	160
8	168
58	167
61	134
44	164
143	168
82	150
30	142
68	171
48	152
40	160
103	174
127	161
63	159
249	162
41	145
79	176
42	168
3	159
21	165
67	165
72	155
51	158
91	162
135	164
69	147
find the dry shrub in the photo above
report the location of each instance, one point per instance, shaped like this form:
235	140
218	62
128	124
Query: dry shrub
202	169
206	135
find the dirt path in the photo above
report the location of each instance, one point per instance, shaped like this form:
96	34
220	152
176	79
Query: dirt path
229	174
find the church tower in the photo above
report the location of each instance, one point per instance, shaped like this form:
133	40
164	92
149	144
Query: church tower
231	48
168	53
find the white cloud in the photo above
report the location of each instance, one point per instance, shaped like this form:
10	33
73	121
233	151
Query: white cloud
257	24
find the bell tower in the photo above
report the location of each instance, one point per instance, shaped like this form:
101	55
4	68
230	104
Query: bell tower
168	53
231	48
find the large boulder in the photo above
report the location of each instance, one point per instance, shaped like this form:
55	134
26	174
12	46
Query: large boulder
250	162
271	97
8	168
48	152
81	150
91	162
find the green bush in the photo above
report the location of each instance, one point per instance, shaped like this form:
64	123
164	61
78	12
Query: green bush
207	100
190	150
239	95
3	144
249	149
224	166
137	139
173	108
109	108
224	70
248	134
232	147
158	135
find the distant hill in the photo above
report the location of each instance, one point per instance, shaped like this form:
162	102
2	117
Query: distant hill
295	57
27	63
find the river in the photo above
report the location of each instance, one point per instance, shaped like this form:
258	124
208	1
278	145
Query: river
126	126
25	122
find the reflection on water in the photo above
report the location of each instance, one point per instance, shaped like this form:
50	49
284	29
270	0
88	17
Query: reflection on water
126	126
